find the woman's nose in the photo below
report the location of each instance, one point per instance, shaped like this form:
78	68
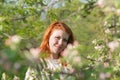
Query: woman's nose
60	42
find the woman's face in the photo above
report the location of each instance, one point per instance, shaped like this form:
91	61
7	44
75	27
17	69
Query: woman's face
58	41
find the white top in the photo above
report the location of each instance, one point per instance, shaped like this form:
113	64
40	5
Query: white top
50	69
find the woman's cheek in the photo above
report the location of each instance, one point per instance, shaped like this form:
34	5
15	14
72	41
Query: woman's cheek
65	45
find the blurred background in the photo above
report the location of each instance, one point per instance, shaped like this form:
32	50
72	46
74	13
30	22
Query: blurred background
95	24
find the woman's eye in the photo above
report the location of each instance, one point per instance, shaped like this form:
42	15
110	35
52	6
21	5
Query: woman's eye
57	37
65	40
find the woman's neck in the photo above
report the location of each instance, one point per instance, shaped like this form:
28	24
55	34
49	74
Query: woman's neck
54	56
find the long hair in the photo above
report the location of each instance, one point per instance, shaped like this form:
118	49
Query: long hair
44	47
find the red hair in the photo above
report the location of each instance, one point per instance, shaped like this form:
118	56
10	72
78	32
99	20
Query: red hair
44	47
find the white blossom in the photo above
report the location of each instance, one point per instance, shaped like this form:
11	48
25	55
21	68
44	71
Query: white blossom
94	41
102	76
12	41
107	31
113	45
15	39
105	23
101	3
99	47
118	12
35	52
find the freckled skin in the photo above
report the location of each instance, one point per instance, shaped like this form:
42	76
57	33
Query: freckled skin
58	41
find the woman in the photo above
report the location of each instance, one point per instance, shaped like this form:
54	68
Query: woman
56	38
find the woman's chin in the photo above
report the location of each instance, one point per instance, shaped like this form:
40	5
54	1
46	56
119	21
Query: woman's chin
56	52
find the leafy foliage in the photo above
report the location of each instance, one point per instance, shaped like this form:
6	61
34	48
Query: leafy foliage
95	23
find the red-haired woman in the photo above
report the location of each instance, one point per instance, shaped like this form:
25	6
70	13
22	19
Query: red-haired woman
56	38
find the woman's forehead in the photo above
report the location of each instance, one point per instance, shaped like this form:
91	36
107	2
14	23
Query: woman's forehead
59	32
